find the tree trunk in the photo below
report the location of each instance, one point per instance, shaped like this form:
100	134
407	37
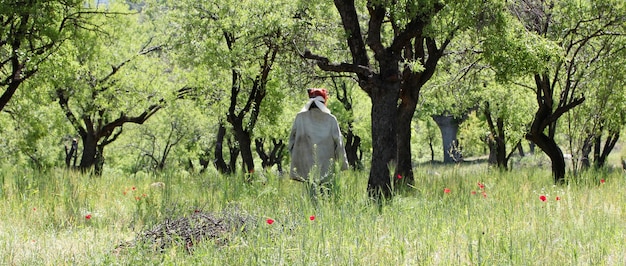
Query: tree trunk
496	140
384	145
449	127
549	146
520	149
493	151
245	147
545	121
585	162
233	149
353	149
274	156
352	143
600	153
531	147
90	150
220	163
404	166
99	161
71	154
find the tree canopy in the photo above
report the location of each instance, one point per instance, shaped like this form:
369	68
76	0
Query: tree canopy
205	84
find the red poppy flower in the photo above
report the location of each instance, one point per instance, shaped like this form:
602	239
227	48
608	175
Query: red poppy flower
446	190
34	209
88	216
312	217
399	176
602	181
543	198
481	186
558	198
134	188
269	221
473	192
484	194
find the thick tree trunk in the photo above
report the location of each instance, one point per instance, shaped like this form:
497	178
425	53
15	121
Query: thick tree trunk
384	145
449	127
543	126
404	166
15	82
549	146
245	147
90	150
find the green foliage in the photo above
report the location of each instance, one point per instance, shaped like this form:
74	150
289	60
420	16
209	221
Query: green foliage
518	53
176	139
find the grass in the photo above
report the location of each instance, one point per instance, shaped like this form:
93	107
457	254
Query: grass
43	219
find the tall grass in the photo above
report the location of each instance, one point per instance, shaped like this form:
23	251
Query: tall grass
454	215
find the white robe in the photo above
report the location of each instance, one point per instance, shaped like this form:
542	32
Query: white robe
315	139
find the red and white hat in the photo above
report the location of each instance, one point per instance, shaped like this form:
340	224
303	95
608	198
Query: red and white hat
318	97
314	92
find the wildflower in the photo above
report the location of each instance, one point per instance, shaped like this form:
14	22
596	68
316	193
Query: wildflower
399	176
34	209
446	190
484	194
602	181
137	198
134	188
473	192
312	217
481	186
543	198
558	198
269	221
88	216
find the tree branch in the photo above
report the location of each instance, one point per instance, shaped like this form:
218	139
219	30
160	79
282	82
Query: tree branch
324	64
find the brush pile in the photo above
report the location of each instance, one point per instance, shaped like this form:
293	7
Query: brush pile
190	230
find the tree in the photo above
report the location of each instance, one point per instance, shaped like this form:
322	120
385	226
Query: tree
243	42
602	116
354	152
31	31
573	26
34	132
506	115
392	60
108	81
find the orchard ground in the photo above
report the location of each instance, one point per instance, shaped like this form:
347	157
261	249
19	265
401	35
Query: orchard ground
455	215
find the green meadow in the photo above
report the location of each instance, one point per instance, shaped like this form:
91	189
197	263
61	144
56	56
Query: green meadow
455	215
